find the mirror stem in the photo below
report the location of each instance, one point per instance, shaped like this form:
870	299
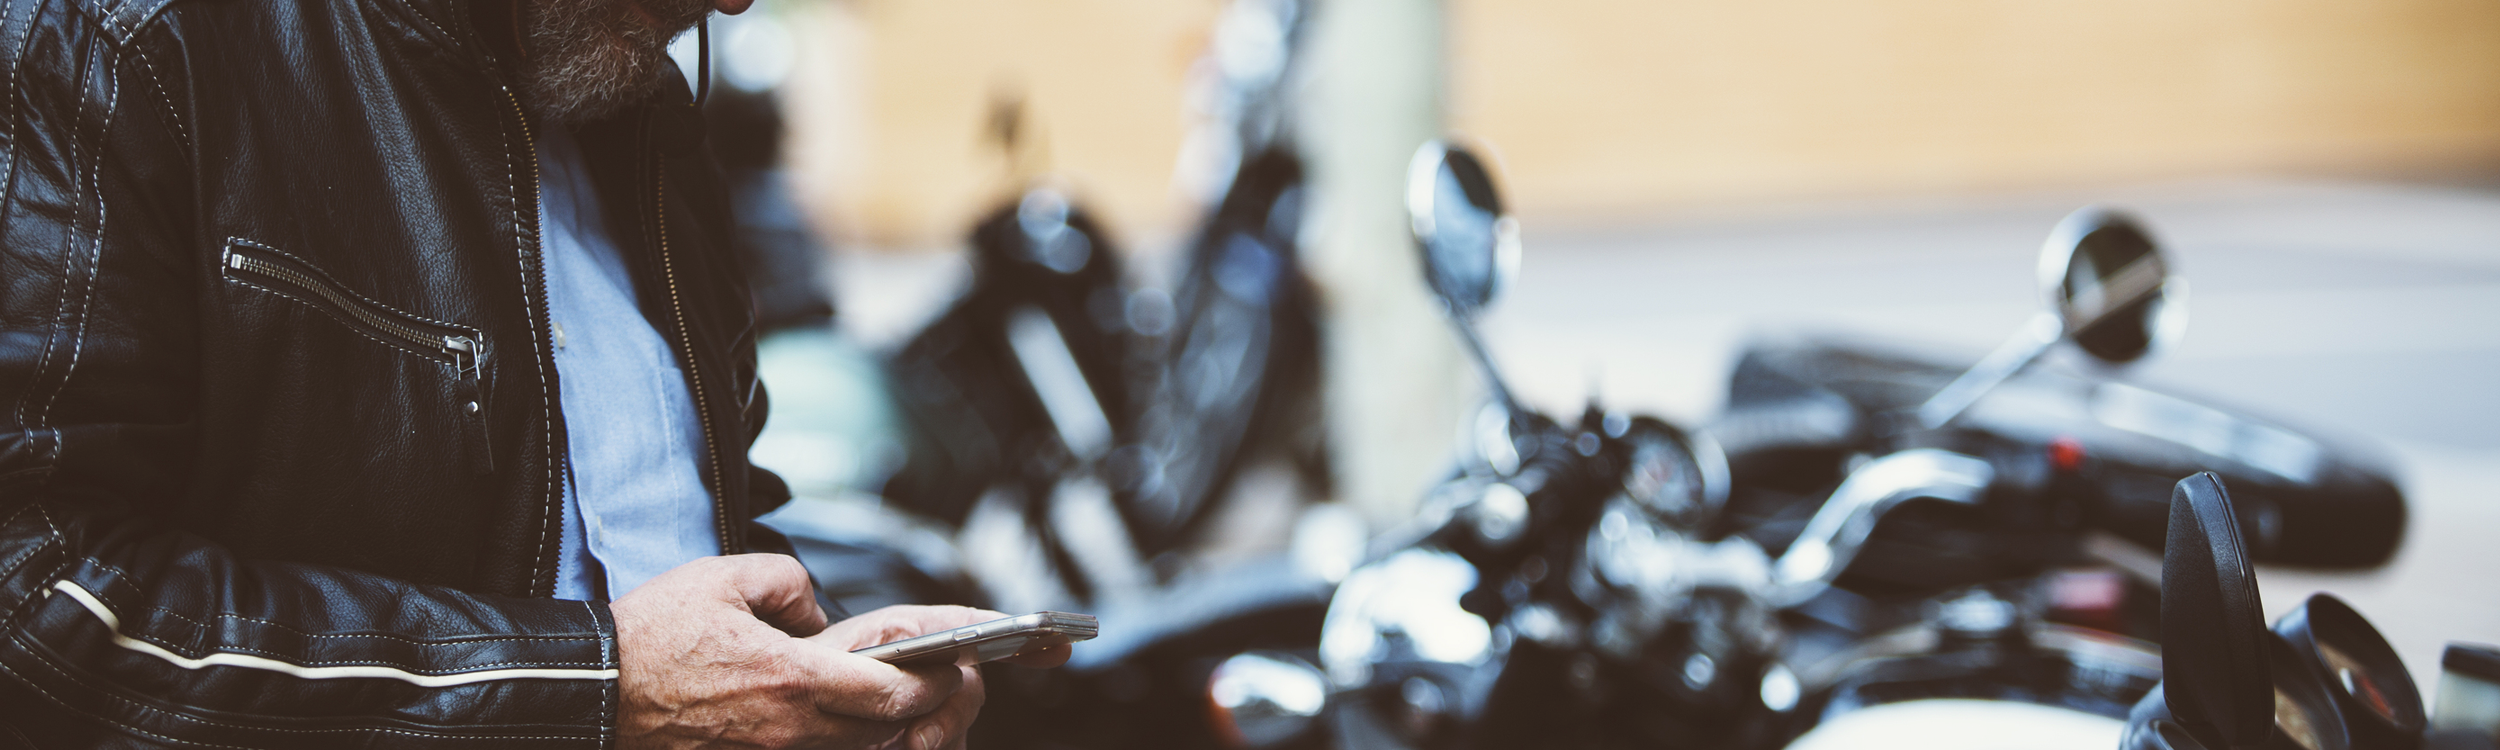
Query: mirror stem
2011	357
1484	363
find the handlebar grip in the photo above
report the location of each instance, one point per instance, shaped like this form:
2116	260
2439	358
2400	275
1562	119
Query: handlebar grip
2350	517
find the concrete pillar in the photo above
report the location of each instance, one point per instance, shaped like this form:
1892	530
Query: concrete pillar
1396	386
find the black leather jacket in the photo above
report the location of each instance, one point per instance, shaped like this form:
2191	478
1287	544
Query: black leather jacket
279	438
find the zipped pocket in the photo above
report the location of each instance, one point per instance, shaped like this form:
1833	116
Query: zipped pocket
456	347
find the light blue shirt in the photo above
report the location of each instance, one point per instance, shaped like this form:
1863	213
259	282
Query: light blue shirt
635	504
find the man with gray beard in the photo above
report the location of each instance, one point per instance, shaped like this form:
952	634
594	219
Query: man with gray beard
376	372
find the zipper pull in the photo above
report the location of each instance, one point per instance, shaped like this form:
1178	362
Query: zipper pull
472	397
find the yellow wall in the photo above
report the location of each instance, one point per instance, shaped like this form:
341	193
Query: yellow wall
1615	108
893	94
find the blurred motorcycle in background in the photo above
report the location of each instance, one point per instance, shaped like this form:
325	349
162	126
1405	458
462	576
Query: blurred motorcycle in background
1935	529
1871	548
1069	438
1052	369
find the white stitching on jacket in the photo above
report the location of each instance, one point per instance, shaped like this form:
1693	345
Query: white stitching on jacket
8	182
325	276
95	261
30	552
60	313
162	643
108	693
230	659
126	576
165	97
95	258
385	636
291	659
429	21
17	60
546	402
112	21
130	29
607	690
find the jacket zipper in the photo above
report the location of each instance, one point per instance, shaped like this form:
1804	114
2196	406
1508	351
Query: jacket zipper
461	349
534	296
685	355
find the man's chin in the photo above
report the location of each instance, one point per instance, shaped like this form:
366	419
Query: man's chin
599	58
571	102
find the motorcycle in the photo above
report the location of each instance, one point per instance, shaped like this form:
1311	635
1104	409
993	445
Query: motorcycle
1525	605
1072	437
1951	511
1063	439
1878	545
1052	366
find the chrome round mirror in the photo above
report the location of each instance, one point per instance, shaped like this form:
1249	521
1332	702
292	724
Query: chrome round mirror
2109	291
2108	283
1469	245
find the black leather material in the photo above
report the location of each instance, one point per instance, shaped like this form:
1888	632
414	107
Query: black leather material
258	258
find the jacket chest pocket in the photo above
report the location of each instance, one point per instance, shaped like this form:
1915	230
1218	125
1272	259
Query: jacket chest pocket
457	348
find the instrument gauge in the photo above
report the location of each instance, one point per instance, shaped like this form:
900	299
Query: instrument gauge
2357	670
2358	680
2305	715
1662	478
2294	722
1680	478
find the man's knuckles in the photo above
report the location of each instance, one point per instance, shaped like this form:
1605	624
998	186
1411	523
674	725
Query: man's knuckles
764	572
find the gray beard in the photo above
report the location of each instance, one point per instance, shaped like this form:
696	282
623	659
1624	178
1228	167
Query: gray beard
588	59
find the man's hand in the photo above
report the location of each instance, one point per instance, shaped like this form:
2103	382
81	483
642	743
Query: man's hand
714	653
948	726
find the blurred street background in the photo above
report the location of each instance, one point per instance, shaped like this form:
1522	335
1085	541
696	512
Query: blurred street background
2327	175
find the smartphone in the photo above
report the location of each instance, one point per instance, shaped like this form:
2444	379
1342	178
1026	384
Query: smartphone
986	642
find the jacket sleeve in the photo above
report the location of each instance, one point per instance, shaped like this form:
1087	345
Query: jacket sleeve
117	629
